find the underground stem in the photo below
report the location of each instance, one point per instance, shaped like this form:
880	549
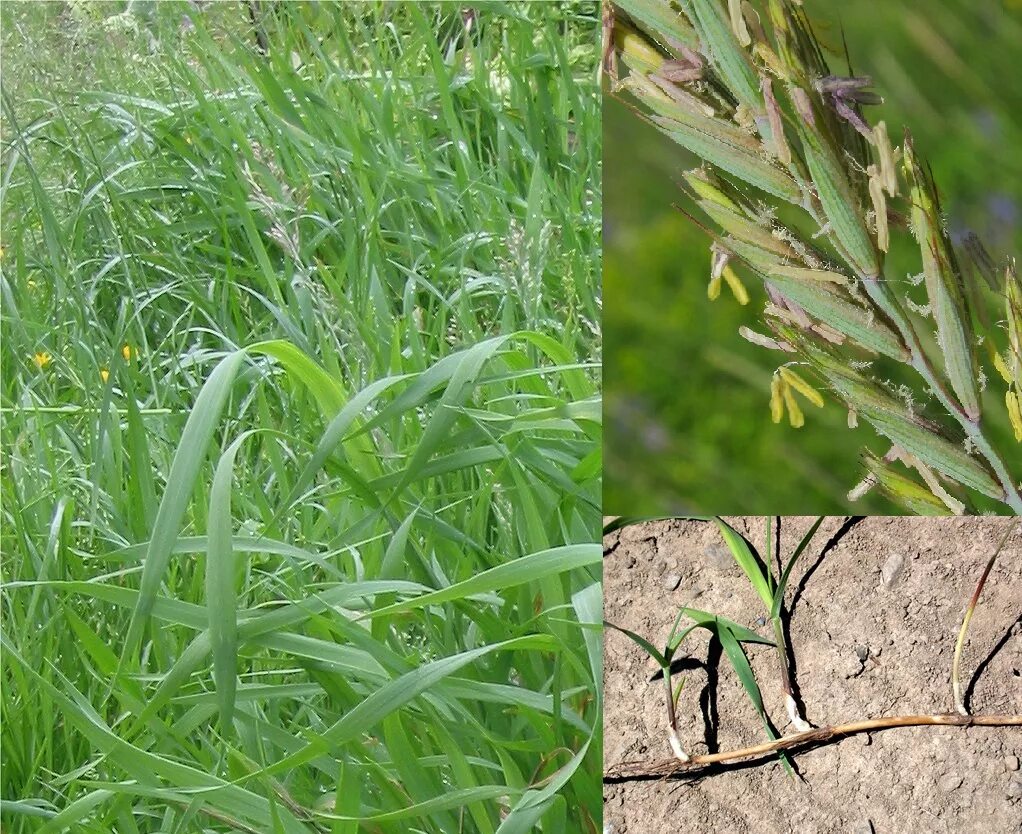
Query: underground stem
666	767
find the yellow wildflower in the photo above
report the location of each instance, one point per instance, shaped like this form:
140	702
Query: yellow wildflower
42	359
126	352
104	374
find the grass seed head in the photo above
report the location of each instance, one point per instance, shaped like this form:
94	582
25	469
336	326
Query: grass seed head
761	108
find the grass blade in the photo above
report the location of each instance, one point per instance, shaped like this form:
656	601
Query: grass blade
747	560
775	608
221	598
195	440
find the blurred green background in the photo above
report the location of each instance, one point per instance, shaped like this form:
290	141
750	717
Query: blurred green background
686	398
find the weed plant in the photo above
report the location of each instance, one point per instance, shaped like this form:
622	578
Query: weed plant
301	426
732	634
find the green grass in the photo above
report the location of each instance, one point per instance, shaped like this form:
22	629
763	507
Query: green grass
301	422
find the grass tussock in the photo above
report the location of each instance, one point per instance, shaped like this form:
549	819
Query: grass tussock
301	421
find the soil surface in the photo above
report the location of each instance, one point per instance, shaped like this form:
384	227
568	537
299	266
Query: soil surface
891	590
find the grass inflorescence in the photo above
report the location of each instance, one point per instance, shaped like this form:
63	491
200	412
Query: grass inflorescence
801	190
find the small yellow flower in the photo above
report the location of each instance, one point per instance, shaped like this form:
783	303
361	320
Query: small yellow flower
104	374
42	359
126	352
188	139
31	284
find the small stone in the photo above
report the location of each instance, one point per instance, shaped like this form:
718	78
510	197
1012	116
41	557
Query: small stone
1014	789
864	827
1011	762
629	561
672	581
760	621
949	783
862	652
718	557
891	571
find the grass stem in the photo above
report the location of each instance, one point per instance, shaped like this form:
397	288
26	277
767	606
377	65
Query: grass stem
672	720
782	661
955	686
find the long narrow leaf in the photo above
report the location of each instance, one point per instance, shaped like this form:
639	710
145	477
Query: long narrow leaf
746	560
192	451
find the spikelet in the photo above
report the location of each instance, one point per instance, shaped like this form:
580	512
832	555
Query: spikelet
840	313
840	203
725	51
893	419
943	287
901	489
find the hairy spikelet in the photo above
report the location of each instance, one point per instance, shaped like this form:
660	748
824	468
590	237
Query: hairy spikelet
943	286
